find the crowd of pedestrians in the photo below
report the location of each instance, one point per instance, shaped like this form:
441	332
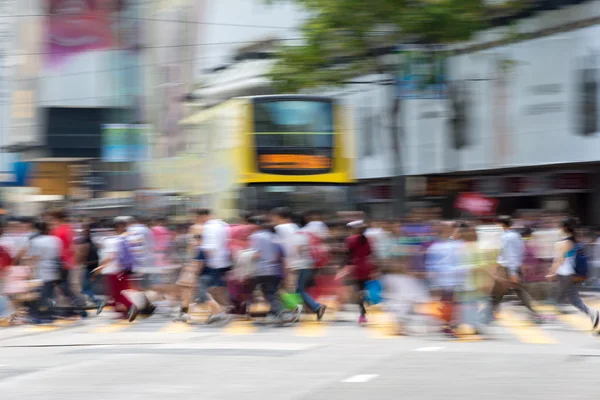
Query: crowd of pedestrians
52	268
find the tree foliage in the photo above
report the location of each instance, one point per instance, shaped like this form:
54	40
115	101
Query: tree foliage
341	35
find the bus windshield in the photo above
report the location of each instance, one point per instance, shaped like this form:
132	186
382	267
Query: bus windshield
302	116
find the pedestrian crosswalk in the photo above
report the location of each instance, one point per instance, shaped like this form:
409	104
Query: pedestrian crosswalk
512	324
524	330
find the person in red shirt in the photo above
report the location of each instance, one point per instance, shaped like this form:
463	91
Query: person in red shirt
360	263
63	230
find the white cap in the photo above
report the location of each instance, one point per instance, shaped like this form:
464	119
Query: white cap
356	224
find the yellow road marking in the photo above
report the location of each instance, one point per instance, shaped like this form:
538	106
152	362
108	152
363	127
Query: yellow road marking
57	324
576	320
66	322
382	325
176	327
525	331
470	338
310	329
42	328
112	327
240	328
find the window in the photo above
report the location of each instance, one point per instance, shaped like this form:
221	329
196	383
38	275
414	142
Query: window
274	116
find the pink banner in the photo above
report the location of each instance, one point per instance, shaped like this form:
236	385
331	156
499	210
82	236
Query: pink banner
77	26
476	204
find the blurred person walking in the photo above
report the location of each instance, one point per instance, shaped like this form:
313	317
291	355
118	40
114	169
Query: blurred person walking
117	265
299	263
7	310
44	255
359	263
563	270
188	280
403	283
141	239
479	280
445	266
508	273
70	281
238	283
268	267
88	257
218	263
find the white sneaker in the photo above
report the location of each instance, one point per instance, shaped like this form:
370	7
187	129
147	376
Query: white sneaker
184	317
214	318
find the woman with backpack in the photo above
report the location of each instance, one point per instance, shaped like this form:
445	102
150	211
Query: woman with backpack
568	270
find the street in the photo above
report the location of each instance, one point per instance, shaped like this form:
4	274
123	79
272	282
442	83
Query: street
155	358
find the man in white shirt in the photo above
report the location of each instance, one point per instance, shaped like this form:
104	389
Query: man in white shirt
510	259
142	241
138	229
298	260
315	225
215	244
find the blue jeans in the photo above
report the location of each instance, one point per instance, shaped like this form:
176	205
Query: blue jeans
270	286
42	308
87	285
305	277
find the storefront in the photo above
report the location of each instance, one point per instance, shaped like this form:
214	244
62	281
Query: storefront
560	191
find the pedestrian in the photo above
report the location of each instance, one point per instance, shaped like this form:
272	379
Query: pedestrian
508	272
69	277
268	260
116	266
141	239
445	265
360	267
188	280
218	263
563	271
299	263
478	281
87	254
44	254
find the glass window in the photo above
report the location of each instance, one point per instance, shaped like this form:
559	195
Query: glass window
272	116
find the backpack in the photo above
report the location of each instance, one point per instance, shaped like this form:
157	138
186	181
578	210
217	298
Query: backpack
319	250
580	262
127	260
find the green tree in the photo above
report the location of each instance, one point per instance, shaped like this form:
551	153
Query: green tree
342	37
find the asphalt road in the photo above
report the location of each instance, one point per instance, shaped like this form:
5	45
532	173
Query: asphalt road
157	359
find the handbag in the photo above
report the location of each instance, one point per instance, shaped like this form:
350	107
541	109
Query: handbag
291	301
374	292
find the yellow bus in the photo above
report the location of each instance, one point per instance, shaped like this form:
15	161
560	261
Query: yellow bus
259	152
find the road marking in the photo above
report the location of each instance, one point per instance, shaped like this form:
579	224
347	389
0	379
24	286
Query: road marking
575	320
382	325
428	349
240	328
176	327
42	328
525	331
112	327
310	329
360	378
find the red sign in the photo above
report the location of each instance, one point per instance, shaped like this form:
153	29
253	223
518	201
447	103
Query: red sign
476	204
